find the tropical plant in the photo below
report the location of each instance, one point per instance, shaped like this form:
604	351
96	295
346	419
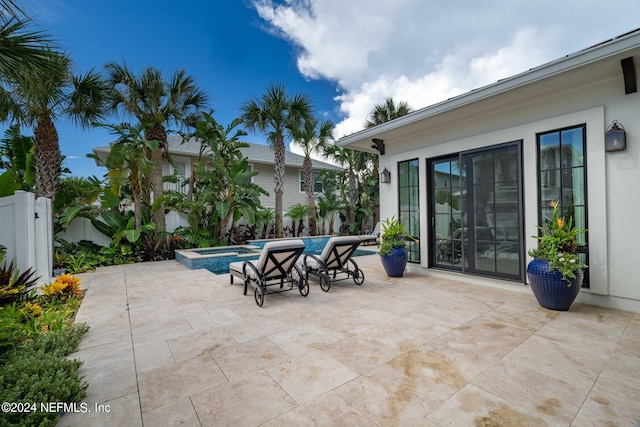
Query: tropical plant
63	287
312	136
80	263
156	104
298	213
59	259
393	235
17	158
74	190
276	114
387	111
356	164
21	46
558	243
264	217
223	192
15	286
38	99
382	113
128	164
120	227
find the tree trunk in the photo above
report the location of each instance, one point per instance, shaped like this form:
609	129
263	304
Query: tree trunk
47	158
353	196
158	133
278	177
309	187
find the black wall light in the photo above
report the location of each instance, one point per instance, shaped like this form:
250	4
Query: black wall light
385	176
615	138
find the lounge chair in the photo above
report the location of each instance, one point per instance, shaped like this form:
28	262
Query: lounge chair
335	262
276	267
374	237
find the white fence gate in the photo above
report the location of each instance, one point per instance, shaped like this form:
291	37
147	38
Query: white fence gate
26	230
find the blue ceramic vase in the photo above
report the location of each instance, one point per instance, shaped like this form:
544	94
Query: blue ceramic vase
395	263
549	288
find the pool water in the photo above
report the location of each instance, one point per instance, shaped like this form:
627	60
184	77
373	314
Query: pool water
217	259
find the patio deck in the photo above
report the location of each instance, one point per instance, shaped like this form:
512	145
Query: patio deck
173	346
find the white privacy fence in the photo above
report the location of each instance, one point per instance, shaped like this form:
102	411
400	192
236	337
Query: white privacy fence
26	230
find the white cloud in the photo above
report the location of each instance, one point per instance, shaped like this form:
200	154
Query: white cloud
425	51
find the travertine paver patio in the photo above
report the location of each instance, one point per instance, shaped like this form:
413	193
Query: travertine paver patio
172	346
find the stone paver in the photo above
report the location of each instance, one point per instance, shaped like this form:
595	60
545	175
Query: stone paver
173	346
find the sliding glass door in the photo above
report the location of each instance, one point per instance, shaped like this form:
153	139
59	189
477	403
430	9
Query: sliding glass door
476	209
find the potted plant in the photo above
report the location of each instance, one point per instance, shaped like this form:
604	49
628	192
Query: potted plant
393	253
59	263
556	274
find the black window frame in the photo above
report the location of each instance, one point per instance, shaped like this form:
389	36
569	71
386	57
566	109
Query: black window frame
542	209
413	247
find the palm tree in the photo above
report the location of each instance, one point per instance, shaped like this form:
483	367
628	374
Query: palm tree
313	136
350	160
387	111
298	212
382	113
276	114
20	47
38	99
156	103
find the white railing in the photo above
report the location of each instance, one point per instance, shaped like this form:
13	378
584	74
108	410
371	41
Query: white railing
181	185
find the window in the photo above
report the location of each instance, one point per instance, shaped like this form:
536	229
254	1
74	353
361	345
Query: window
409	209
562	177
316	177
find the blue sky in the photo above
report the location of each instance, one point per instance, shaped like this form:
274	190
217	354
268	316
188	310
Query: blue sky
348	56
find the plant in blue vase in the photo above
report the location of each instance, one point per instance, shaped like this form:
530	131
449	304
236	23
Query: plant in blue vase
556	262
392	246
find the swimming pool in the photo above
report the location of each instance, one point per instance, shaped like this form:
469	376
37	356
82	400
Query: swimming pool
217	259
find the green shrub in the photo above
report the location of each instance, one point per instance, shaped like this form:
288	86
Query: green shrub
38	372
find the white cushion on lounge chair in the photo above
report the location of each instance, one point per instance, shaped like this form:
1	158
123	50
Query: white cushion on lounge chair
327	251
261	263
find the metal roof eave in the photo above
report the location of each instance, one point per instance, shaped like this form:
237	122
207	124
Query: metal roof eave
598	52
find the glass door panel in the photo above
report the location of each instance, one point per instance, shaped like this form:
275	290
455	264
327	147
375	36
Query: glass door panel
477	221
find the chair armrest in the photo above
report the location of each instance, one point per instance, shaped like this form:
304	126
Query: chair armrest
250	265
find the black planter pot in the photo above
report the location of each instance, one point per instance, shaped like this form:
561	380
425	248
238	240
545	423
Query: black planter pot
549	288
395	263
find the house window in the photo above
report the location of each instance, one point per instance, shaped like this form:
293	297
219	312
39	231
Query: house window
562	177
316	177
180	168
409	209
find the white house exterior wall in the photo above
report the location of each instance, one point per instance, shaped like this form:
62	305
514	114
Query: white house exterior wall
613	202
291	190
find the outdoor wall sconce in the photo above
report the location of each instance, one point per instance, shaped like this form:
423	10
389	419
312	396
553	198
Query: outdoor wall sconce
385	176
378	144
615	138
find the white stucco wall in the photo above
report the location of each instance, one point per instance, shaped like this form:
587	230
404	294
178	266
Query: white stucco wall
613	200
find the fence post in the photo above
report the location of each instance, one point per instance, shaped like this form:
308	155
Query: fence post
43	241
24	214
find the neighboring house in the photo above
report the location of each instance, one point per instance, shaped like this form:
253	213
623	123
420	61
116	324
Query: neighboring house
484	165
261	159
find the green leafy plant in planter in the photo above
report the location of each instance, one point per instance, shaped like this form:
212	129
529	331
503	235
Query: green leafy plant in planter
556	273
557	242
392	247
393	235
